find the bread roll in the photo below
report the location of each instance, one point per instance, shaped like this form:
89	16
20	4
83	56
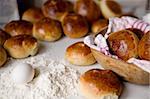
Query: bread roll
18	27
110	8
124	44
57	9
75	26
33	15
47	30
99	25
21	46
144	47
88	8
138	32
3	36
3	56
79	54
100	84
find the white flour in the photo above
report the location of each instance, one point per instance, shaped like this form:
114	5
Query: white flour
53	80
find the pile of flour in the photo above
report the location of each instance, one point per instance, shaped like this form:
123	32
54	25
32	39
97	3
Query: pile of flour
53	80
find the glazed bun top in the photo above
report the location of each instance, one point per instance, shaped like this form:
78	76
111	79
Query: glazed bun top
98	83
33	15
79	54
144	47
3	36
124	44
47	29
75	26
21	46
88	8
18	27
20	40
57	9
99	25
79	48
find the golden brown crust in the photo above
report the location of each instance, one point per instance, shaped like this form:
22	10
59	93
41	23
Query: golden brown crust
21	46
144	47
99	25
19	27
138	32
79	54
123	44
114	6
99	83
33	15
3	56
3	36
80	48
128	72
110	8
75	26
47	30
57	9
88	8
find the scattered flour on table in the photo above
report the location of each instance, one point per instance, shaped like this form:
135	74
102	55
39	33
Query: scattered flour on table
53	80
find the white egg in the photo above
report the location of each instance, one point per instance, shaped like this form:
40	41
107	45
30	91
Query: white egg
22	73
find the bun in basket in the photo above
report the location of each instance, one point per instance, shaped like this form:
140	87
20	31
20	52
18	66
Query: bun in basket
33	15
138	32
88	9
21	46
99	25
124	44
75	26
100	84
18	27
3	36
3	56
144	47
57	9
47	30
79	54
110	8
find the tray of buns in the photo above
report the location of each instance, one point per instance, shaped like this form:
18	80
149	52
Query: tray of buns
84	49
